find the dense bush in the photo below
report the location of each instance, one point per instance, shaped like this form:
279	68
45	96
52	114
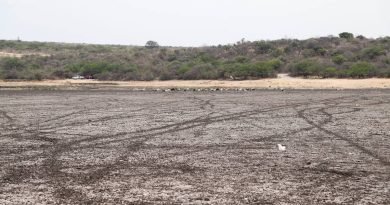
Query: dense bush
321	57
244	70
373	52
311	67
362	70
16	68
306	68
200	71
105	70
339	59
329	72
10	68
263	47
384	73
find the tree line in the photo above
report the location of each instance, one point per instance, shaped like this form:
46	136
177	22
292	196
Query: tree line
343	56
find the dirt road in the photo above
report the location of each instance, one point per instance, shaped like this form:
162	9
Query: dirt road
272	83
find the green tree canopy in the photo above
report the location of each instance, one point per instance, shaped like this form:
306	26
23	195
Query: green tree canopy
346	35
152	44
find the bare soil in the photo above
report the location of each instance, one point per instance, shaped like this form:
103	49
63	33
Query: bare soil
126	147
283	81
19	55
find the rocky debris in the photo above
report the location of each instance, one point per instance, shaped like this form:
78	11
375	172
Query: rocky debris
202	89
281	147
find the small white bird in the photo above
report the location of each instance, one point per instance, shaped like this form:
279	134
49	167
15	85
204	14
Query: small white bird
281	147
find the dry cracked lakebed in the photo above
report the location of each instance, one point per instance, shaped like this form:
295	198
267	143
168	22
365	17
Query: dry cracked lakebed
127	147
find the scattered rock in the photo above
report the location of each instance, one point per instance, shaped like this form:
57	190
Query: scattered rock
281	147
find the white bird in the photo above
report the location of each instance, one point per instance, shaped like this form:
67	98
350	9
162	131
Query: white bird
281	147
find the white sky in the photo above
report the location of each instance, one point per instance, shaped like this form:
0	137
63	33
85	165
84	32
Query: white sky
189	22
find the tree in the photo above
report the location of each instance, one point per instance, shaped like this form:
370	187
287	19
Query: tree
346	35
361	37
151	44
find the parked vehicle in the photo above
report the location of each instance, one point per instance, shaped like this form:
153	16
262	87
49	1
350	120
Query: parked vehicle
78	77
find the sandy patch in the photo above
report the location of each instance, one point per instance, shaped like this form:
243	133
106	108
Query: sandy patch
289	83
19	55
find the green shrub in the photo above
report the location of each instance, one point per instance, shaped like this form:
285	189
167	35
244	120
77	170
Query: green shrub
307	53
241	59
306	68
205	57
167	74
183	69
246	60
385	73
12	64
329	72
61	73
263	47
94	68
263	69
30	74
361	70
373	52
320	51
277	52
10	74
147	76
339	59
198	71
12	68
274	64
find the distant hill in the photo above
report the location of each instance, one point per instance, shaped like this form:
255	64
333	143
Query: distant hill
345	56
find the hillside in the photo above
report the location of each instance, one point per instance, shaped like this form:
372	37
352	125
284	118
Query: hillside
345	56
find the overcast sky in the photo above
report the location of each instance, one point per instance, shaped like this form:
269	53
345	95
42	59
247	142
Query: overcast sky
189	22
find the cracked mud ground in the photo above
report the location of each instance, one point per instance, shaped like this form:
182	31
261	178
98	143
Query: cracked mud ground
122	147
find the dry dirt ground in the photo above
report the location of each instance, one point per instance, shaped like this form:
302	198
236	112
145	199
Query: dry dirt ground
126	147
283	81
19	55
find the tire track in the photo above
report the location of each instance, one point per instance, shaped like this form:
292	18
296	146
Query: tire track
6	116
320	126
9	120
134	141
